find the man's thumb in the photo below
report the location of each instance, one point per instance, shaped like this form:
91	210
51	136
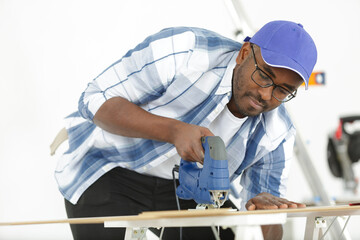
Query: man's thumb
250	206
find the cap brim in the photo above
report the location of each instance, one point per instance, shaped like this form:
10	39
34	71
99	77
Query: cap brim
278	60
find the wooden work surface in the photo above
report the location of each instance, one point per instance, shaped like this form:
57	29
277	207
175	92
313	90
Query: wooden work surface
295	212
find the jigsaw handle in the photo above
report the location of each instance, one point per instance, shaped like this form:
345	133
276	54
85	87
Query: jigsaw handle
195	182
215	173
215	147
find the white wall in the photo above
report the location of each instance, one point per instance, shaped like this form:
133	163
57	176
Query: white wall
50	50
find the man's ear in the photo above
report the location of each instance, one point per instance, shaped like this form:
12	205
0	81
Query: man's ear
243	53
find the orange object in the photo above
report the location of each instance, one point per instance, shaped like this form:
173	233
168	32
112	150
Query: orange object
316	78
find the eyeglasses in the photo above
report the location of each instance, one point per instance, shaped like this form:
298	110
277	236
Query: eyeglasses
262	79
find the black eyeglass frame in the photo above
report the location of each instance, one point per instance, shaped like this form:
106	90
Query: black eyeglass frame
290	96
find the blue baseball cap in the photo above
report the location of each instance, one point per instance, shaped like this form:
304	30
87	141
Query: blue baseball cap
286	44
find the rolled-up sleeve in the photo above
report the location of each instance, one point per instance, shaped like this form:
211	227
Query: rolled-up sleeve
143	74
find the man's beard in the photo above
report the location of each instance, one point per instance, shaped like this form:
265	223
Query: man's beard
241	109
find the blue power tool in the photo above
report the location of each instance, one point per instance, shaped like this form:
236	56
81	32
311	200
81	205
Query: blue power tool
210	184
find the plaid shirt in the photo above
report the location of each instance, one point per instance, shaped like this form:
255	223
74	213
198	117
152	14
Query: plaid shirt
185	74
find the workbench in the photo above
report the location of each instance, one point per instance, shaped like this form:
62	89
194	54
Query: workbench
245	224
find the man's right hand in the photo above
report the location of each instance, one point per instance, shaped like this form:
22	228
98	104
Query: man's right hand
187	140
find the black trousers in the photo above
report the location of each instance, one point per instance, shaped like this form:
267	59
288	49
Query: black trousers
124	192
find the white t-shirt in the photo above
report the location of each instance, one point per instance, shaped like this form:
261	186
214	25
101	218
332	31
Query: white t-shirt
225	126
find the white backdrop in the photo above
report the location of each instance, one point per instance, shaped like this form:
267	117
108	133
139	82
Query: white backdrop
50	50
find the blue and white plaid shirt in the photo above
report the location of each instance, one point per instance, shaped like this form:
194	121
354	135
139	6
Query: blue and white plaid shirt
182	73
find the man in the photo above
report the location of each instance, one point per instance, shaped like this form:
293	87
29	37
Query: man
151	108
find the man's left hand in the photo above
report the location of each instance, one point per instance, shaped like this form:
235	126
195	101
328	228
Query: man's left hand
264	201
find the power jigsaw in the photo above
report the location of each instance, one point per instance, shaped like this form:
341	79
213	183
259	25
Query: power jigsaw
208	186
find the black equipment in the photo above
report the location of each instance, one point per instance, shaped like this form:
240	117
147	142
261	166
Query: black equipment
343	150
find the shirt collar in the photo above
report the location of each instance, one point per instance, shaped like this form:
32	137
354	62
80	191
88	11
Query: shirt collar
225	85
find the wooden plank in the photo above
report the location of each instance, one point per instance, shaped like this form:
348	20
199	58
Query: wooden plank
323	210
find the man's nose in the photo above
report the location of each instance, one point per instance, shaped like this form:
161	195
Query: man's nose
266	93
